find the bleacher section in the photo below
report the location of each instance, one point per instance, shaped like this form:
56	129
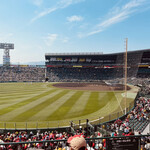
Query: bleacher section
22	74
94	67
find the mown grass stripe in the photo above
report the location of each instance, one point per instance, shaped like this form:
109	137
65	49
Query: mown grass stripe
111	104
11	115
25	102
44	113
107	98
19	95
20	92
15	88
14	98
34	110
76	109
20	89
65	108
94	103
109	108
18	98
23	93
101	95
13	102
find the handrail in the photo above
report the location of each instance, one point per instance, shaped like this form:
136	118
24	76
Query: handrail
87	139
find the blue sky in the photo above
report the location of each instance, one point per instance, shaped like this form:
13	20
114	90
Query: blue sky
37	27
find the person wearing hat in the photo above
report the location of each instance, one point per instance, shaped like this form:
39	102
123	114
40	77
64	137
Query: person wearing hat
77	142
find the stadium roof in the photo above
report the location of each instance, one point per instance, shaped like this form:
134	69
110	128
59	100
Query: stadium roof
69	54
93	53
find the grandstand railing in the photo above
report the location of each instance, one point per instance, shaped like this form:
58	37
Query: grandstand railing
108	143
61	124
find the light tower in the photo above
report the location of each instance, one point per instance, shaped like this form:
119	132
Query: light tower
6	57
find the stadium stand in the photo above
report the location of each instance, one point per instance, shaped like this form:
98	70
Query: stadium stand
136	120
80	67
58	140
86	68
22	74
68	67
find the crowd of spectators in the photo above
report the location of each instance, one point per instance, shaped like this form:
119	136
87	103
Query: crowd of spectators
47	140
78	74
139	115
23	136
37	137
21	74
63	74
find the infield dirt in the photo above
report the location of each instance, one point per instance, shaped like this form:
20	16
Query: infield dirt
94	86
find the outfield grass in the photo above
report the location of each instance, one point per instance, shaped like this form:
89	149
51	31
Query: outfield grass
28	103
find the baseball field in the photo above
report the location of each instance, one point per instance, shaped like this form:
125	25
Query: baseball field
25	104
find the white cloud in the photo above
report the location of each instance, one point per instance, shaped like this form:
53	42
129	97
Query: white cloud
37	2
66	3
118	14
74	18
48	11
60	5
50	39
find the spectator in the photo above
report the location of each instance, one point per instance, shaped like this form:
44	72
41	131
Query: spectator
77	142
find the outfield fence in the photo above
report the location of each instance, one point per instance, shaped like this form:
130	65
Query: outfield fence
65	123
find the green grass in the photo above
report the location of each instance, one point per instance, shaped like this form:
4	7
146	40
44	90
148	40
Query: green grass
26	104
31	112
64	109
23	103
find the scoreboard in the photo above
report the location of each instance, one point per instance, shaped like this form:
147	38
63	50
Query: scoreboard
6	46
80	60
123	143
